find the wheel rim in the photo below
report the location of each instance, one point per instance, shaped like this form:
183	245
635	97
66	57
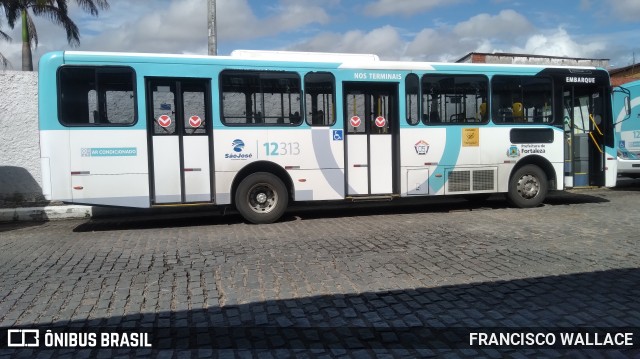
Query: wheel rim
528	186
262	198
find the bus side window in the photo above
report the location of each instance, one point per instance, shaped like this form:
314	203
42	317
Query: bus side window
319	89
434	116
260	98
295	117
521	99
455	99
482	112
96	96
412	86
94	115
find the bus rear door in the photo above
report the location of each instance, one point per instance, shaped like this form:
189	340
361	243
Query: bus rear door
371	121
180	140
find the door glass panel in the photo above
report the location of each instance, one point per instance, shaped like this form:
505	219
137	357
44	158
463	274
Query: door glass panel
164	106
356	116
379	114
583	113
194	112
567	115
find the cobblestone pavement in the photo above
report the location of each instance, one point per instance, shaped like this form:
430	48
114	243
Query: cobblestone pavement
309	285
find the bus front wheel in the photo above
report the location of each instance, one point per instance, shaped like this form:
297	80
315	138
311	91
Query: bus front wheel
261	198
527	187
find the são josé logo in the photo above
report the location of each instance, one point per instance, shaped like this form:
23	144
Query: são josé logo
238	146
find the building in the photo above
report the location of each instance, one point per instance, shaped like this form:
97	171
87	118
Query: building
528	59
622	75
619	76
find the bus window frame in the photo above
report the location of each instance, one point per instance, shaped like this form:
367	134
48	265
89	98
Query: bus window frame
221	93
96	69
309	119
552	104
418	100
447	123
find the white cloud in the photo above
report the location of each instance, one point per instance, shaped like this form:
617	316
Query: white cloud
406	7
185	22
560	43
626	10
433	45
177	24
169	26
180	26
292	15
384	41
508	24
13	52
237	21
507	31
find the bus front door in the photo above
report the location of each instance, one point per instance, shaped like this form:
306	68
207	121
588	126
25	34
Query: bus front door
371	121
584	127
179	126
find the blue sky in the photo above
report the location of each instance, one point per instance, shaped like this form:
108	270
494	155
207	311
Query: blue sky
431	30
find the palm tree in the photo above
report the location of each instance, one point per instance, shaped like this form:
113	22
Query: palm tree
55	10
4	62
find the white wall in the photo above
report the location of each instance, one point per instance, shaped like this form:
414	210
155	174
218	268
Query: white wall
20	174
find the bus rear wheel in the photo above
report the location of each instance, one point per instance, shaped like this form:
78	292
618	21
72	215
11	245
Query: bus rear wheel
527	187
261	198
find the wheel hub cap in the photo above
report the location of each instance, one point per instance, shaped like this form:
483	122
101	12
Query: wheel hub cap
528	186
261	197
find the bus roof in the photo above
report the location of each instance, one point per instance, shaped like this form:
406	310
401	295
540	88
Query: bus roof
340	60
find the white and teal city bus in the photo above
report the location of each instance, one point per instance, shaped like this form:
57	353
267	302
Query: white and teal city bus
258	130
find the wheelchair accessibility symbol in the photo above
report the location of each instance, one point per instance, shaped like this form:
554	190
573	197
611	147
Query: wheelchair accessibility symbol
338	135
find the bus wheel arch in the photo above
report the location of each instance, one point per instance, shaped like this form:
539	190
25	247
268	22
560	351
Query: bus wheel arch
530	181
261	192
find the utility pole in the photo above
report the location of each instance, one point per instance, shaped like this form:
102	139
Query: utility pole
213	35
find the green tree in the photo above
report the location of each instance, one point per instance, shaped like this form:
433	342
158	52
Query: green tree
55	10
4	62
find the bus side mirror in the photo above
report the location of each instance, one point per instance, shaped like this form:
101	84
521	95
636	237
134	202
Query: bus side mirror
627	105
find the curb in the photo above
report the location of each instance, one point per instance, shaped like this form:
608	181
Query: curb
47	213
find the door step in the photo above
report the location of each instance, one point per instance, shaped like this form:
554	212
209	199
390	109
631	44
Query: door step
376	198
192	204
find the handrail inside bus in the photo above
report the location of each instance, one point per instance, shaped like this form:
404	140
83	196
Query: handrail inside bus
595	124
595	142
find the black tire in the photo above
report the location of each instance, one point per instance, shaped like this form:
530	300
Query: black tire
528	187
261	198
